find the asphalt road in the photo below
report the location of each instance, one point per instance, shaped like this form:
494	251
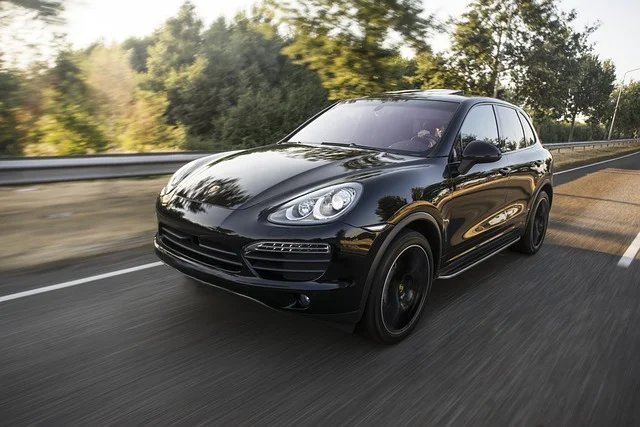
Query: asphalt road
530	341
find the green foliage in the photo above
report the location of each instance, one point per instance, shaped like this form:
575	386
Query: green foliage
108	75
627	124
174	46
138	52
525	49
551	131
550	56
45	10
250	80
68	125
67	129
240	90
10	133
349	43
436	71
590	88
146	129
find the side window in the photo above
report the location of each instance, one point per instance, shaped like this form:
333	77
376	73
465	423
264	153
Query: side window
529	136
511	133
480	124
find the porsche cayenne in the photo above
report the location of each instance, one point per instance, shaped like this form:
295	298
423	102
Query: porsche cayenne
353	215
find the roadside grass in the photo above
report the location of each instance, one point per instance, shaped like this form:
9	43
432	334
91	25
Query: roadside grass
51	223
567	158
41	224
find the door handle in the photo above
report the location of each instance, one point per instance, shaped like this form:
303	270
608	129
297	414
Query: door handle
505	171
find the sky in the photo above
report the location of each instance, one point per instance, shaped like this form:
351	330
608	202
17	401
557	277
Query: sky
115	20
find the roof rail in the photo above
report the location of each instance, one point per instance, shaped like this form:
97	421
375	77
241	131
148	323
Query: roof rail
428	92
443	91
403	91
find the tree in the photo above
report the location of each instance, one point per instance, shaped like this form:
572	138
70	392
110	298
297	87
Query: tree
174	46
590	89
550	59
146	129
111	81
241	91
19	17
45	10
627	124
68	125
437	71
353	44
479	41
10	134
520	49
138	52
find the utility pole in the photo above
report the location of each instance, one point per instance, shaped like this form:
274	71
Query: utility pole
615	110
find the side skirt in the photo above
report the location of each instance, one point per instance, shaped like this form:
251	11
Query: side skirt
454	273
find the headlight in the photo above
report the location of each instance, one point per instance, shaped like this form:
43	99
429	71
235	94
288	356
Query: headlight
320	206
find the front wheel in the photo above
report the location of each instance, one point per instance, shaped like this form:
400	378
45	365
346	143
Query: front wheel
399	289
536	227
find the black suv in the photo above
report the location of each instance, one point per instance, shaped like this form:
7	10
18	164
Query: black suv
354	214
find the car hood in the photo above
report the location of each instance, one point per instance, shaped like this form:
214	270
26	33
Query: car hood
243	179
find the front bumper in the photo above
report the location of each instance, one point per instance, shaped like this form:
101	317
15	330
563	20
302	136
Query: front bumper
334	295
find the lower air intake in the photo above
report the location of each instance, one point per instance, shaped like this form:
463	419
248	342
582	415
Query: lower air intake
291	261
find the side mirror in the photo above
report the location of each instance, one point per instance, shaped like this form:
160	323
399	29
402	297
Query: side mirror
478	152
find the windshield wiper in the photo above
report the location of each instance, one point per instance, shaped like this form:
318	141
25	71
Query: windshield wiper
353	145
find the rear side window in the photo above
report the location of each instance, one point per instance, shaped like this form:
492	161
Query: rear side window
479	125
511	133
529	136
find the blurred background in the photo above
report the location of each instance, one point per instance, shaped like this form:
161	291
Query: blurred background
84	77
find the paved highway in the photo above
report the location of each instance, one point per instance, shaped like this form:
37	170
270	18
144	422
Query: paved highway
534	341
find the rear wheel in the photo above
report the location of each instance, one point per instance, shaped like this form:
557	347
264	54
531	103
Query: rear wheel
400	288
536	228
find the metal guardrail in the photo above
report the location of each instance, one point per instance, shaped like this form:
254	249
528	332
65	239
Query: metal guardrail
573	145
35	170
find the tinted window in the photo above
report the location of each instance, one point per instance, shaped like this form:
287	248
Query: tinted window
511	133
479	125
529	136
397	124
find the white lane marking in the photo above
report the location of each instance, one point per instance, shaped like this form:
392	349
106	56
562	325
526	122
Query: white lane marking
597	163
79	281
630	254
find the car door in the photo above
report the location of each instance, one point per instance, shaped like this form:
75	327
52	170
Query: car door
527	166
474	213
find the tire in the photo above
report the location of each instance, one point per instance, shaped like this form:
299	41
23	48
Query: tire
536	228
398	296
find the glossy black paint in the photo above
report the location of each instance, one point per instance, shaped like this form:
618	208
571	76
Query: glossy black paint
464	216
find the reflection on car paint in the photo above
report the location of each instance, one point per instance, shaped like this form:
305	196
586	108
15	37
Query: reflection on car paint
498	219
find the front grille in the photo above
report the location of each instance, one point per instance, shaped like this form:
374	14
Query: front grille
200	249
288	260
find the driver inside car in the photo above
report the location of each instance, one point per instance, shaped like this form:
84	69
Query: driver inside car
429	137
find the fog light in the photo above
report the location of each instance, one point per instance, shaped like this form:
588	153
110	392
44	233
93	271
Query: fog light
304	300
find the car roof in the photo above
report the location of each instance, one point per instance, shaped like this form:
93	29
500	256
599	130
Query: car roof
450	95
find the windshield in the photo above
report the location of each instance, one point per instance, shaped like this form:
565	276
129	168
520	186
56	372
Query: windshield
394	124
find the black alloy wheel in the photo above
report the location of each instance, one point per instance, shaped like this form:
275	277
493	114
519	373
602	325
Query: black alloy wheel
403	288
536	228
399	292
540	222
